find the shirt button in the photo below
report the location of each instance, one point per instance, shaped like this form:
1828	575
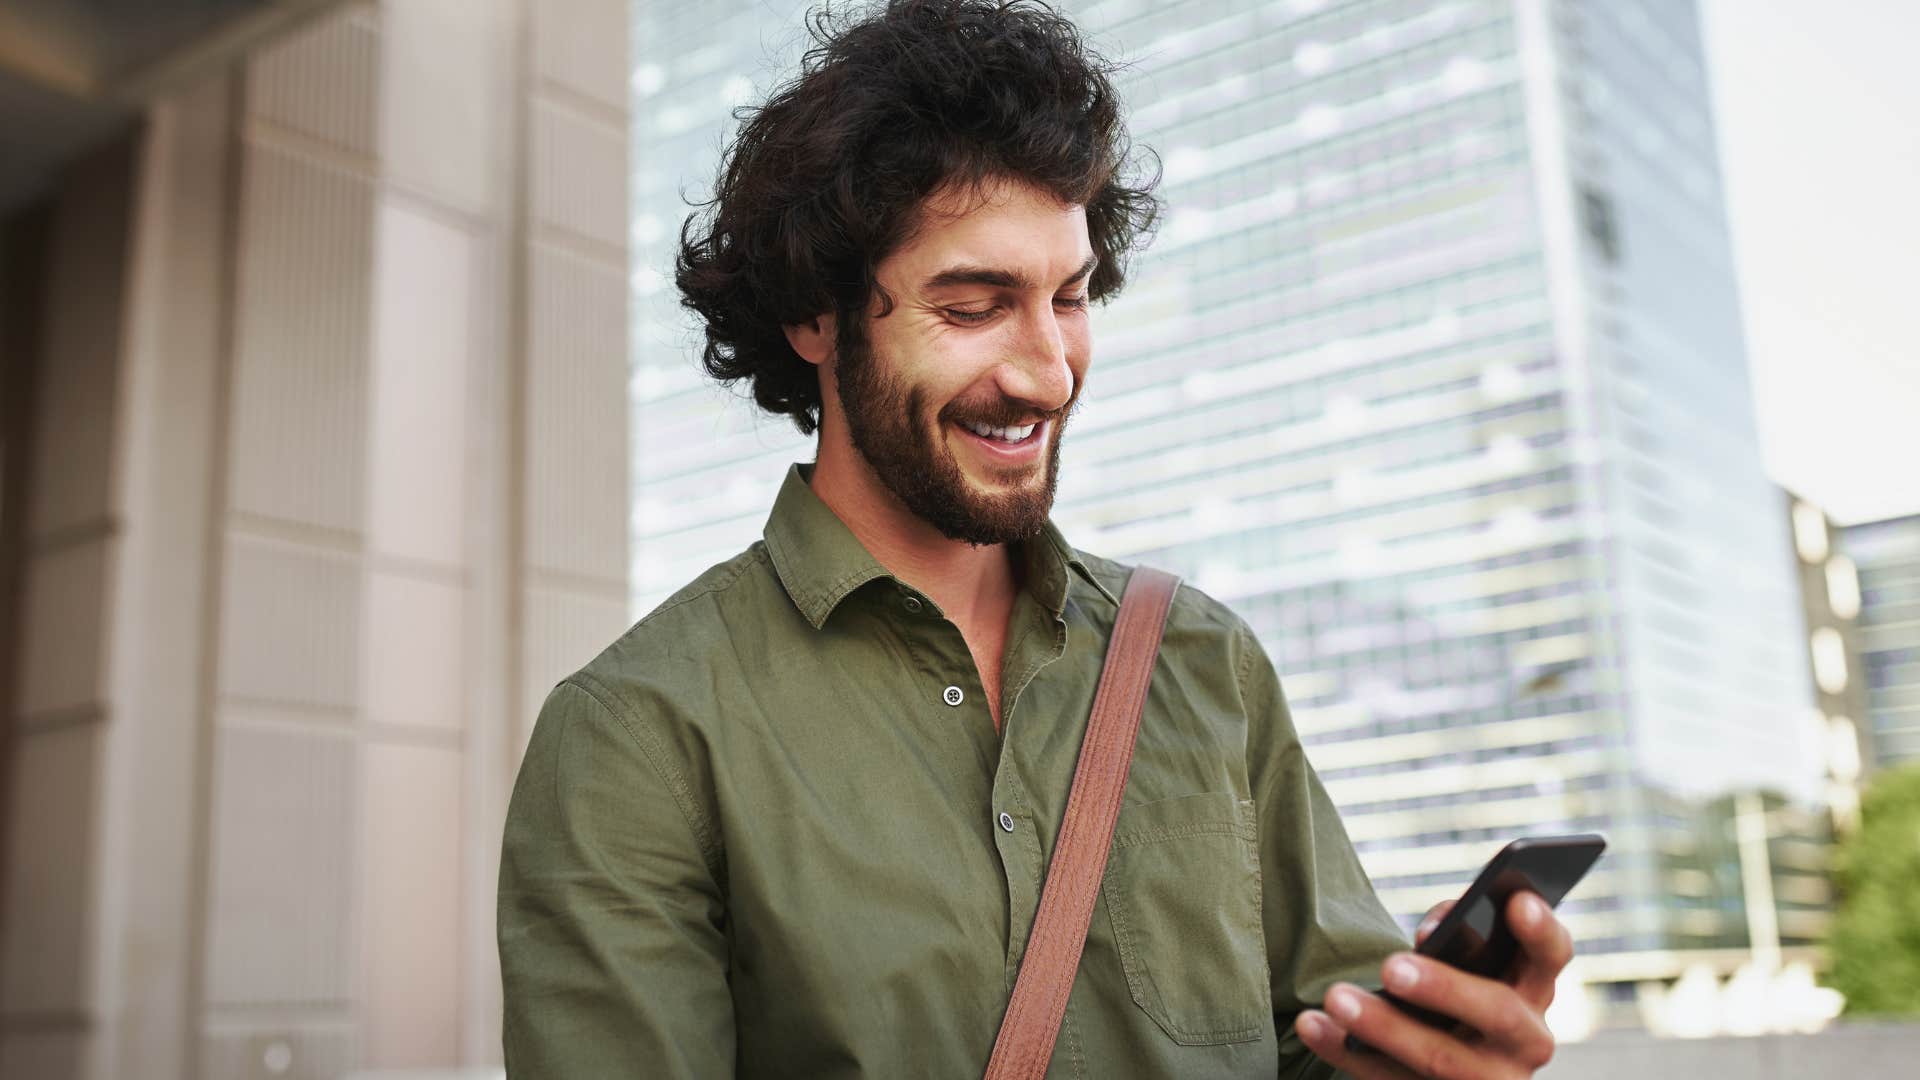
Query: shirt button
912	604
954	695
1006	821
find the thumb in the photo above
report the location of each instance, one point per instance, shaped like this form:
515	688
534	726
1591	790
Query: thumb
1430	920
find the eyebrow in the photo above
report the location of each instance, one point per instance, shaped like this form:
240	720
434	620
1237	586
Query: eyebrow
998	278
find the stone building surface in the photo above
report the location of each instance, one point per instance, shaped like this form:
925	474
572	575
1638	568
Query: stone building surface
313	479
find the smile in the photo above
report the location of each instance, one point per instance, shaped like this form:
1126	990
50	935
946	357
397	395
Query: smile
1011	446
1003	434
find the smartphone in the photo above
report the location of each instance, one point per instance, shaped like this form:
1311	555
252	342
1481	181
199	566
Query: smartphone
1474	936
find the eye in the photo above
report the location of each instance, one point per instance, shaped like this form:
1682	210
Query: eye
969	318
1071	303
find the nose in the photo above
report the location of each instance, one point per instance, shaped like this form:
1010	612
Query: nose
1038	371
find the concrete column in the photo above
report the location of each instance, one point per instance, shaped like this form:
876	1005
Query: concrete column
328	486
61	716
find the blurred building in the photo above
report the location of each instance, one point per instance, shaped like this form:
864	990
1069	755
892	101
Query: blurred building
1887	554
1830	599
313	479
1435	374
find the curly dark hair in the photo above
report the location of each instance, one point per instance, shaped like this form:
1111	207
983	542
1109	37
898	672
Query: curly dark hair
892	104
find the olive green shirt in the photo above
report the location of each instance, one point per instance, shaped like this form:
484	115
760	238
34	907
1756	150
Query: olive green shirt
771	831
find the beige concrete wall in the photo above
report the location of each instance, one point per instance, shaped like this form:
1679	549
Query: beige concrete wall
329	486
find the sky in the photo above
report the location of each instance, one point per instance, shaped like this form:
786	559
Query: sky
1818	107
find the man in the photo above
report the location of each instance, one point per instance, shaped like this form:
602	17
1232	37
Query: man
796	822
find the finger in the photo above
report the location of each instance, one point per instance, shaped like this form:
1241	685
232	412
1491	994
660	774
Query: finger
1504	1019
1430	920
1422	1050
1328	1040
1545	948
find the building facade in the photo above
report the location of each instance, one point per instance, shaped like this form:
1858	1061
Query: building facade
314	480
1434	374
1830	598
1887	554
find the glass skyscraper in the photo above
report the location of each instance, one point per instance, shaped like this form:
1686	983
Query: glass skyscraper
1434	374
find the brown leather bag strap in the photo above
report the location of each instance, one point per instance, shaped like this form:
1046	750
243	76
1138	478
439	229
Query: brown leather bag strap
1032	1022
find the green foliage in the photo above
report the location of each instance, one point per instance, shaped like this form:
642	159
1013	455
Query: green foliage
1876	934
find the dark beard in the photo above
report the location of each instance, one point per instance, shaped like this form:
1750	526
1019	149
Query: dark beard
888	423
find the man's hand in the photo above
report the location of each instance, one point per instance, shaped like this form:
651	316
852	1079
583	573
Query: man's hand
1504	1032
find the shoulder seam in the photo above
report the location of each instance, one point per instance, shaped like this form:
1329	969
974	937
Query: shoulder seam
676	781
1248	643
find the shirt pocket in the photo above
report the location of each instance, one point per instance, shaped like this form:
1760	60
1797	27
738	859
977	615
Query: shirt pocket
1182	889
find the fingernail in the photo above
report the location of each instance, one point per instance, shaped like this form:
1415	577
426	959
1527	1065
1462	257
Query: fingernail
1344	1004
1402	974
1534	909
1313	1025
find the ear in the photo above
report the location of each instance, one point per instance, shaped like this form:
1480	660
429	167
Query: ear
812	339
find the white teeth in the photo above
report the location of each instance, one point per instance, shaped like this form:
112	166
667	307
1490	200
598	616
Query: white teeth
1005	434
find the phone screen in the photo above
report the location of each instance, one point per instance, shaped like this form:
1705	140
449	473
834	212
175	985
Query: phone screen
1471	943
1474	935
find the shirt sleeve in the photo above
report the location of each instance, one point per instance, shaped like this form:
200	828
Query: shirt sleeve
1322	919
613	950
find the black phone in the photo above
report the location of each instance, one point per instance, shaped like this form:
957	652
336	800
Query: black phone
1474	936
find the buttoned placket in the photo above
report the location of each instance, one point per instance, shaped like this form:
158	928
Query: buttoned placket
1016	834
958	694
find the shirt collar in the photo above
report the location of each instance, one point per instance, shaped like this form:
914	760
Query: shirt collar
820	562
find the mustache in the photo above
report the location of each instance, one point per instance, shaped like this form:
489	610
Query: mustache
1009	413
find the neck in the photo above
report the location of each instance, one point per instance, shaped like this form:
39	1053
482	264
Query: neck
971	584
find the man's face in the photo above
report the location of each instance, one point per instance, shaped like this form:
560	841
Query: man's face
957	398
